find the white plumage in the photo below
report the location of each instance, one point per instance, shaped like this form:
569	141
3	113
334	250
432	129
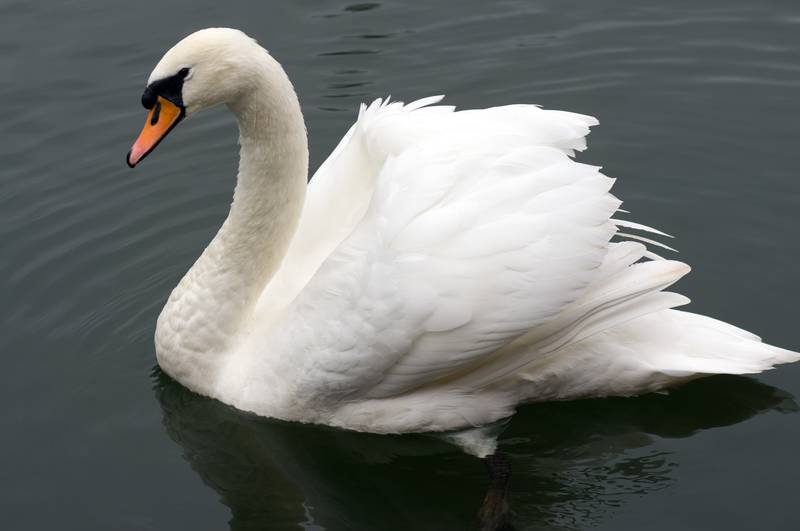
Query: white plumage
443	267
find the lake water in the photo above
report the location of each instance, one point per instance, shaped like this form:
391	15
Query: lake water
699	104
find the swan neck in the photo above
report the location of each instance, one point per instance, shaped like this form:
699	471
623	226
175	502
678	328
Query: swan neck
270	185
211	306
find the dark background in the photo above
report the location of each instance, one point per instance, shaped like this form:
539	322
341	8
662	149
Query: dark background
698	104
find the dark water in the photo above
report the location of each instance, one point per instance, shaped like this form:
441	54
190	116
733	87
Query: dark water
699	105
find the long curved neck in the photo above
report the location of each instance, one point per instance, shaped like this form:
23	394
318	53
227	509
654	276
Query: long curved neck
218	294
270	188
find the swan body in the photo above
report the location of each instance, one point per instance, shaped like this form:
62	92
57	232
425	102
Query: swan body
439	269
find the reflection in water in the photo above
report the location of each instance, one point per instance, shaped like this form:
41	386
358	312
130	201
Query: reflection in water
586	458
572	462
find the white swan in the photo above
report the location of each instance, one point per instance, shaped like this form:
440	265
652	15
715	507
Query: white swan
440	268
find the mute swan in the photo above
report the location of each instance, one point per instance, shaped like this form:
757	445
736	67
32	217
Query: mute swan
440	268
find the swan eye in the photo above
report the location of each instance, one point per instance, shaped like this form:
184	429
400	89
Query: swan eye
184	72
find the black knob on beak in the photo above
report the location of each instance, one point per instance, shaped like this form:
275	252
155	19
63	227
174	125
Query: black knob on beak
149	98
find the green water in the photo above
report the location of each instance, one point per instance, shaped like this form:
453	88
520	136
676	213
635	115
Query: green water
698	103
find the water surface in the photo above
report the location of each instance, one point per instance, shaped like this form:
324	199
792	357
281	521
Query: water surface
698	103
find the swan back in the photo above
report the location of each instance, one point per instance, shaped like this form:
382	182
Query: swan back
465	231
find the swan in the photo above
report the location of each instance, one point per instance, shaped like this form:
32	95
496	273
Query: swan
440	268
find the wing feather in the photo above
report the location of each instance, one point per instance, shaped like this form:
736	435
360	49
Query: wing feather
476	227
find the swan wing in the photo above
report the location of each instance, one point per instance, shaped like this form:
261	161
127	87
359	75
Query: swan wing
340	192
478	227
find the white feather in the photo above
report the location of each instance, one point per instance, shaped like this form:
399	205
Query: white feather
443	268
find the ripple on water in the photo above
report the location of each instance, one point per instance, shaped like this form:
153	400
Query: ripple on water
696	101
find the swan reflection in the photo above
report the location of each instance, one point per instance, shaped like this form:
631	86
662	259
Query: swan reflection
572	462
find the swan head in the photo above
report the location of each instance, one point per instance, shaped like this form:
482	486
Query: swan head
206	68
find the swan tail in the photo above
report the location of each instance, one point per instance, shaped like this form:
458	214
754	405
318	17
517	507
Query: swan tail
623	338
650	353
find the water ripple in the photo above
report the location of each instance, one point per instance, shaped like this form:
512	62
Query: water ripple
696	102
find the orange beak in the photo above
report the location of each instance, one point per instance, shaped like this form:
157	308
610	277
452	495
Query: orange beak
163	117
